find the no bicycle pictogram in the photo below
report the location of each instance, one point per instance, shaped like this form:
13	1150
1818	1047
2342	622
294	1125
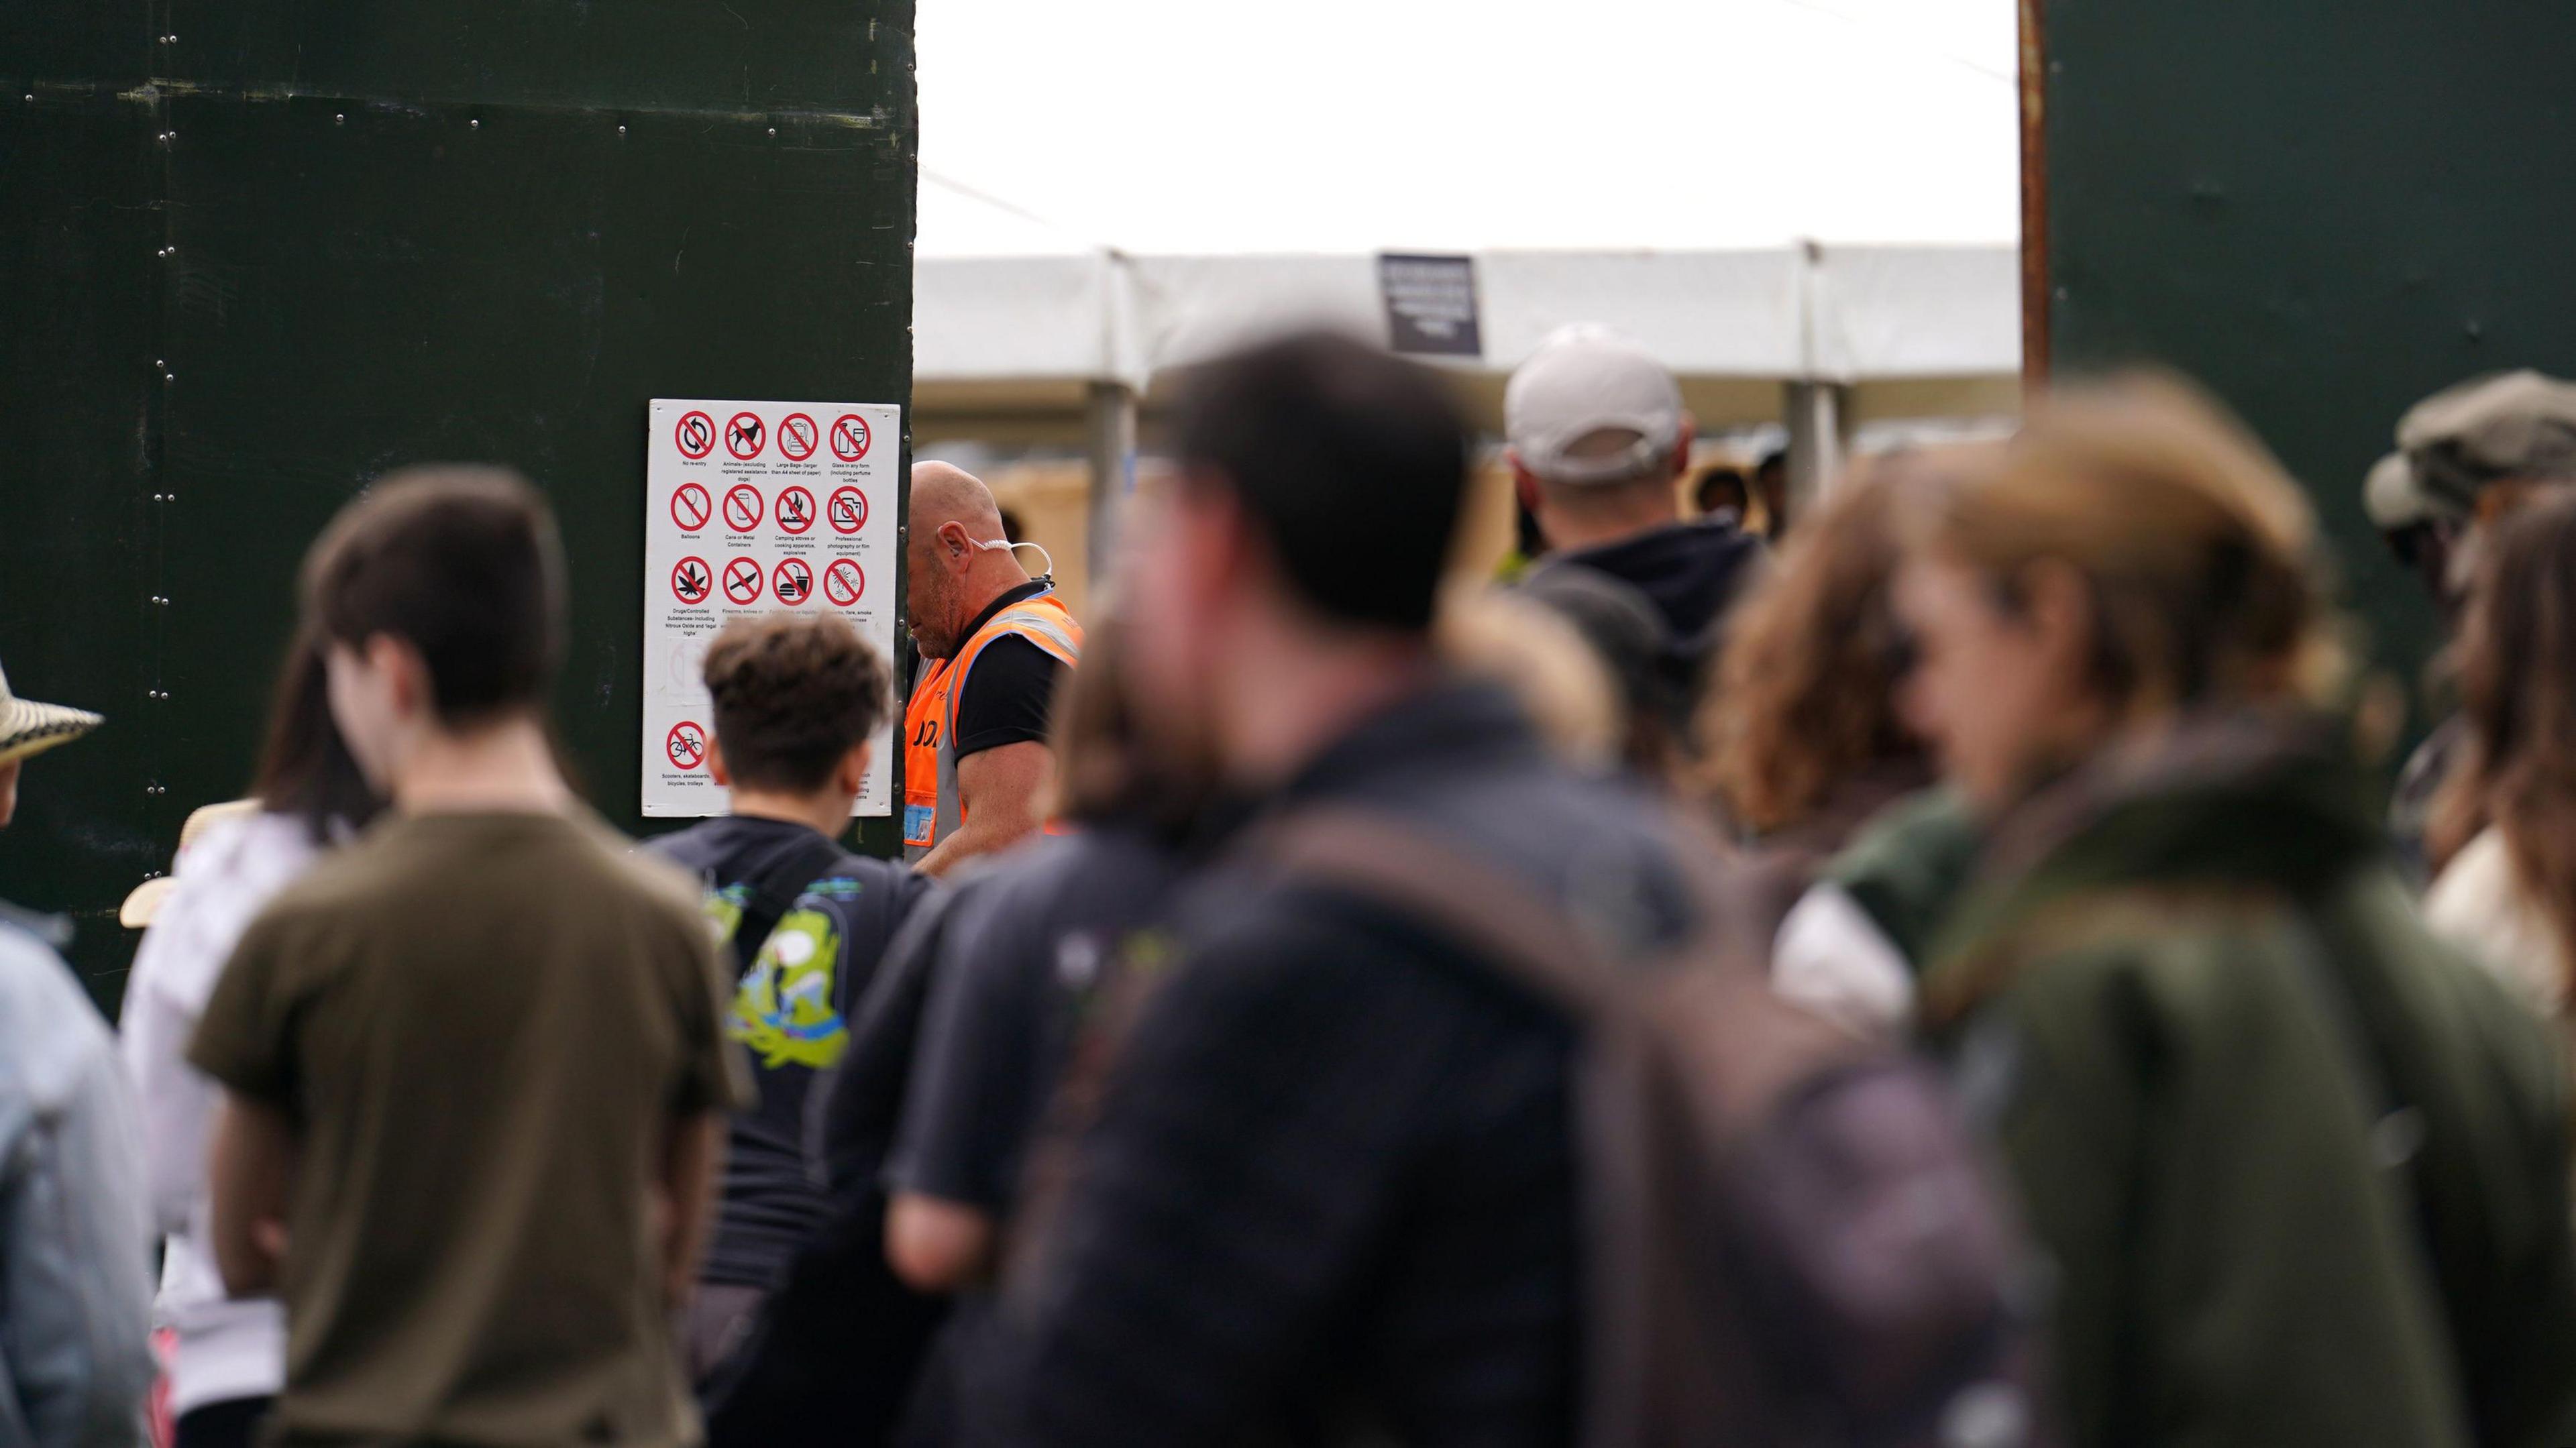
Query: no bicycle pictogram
795	506
794	581
849	437
742	581
843	582
796	437
691	581
696	435
744	434
849	510
686	744
690	508
743	507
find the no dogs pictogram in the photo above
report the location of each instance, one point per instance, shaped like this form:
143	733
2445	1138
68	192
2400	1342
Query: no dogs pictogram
742	581
686	744
743	507
795	506
849	510
796	437
744	434
843	582
691	581
690	508
696	435
849	437
794	581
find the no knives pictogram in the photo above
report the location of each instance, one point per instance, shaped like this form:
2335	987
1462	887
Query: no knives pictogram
696	435
796	437
742	581
849	510
794	581
743	507
686	744
843	582
690	508
691	581
849	437
795	508
744	434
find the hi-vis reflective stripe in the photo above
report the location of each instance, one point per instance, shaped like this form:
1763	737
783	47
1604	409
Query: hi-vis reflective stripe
932	807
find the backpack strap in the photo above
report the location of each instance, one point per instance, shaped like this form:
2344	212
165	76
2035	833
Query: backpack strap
774	892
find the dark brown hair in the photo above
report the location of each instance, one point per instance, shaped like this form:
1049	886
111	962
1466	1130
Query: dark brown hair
2517	665
463	564
793	694
1105	769
305	768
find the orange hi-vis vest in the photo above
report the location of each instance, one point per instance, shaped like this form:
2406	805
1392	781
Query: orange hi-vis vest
932	810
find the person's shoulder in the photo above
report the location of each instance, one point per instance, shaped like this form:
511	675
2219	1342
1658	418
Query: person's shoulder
644	879
49	1030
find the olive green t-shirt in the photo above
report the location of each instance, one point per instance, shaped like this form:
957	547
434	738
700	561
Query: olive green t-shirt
482	1027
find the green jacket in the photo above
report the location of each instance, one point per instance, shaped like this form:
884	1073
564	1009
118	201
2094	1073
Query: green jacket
2302	1174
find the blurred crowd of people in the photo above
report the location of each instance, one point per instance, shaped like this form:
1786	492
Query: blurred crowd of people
1938	974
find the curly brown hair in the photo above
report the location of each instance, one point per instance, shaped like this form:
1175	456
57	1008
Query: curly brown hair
793	694
1805	695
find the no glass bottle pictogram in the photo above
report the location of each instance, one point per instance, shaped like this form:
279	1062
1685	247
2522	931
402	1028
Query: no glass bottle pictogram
849	437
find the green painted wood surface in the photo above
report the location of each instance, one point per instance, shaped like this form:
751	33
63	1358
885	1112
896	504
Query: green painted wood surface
252	268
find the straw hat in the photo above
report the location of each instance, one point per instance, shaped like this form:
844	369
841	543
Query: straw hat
145	901
27	727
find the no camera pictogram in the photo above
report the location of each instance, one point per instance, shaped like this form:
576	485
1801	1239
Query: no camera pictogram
795	508
742	582
743	507
686	744
690	507
796	437
843	582
850	437
849	510
696	435
691	580
744	434
793	582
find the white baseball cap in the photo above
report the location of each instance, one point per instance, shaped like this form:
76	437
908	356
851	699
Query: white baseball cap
1585	388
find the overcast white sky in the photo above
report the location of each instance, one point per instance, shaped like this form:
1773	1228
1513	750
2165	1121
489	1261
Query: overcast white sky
1362	125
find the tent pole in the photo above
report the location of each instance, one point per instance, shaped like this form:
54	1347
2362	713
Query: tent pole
1818	416
1109	437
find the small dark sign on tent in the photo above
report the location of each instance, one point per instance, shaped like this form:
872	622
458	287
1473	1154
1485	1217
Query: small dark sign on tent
1430	304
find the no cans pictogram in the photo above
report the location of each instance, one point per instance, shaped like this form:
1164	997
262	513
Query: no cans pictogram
743	507
696	435
793	582
796	437
849	437
742	581
843	582
849	510
795	506
744	433
691	580
690	507
686	744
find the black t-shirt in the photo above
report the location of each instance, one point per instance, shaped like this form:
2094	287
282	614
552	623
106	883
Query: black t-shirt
1010	688
791	1010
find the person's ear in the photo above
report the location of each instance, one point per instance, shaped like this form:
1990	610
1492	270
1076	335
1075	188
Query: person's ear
716	763
1524	482
1682	441
402	673
955	551
2059	614
852	775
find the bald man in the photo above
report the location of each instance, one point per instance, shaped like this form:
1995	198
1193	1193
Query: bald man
993	642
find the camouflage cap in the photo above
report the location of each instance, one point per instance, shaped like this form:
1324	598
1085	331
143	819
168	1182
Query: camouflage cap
2505	426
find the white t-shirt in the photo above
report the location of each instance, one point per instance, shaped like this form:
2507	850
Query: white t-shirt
2479	905
1832	958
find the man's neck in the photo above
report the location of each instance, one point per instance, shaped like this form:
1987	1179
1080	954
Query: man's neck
826	814
1573	530
1297	701
994	575
501	768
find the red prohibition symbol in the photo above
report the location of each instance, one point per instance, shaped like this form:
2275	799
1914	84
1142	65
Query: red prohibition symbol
742	581
696	435
690	507
796	437
849	510
849	437
795	505
744	433
743	507
843	582
691	581
794	581
686	744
